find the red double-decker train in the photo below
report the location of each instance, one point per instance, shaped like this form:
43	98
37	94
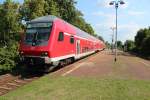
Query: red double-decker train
51	40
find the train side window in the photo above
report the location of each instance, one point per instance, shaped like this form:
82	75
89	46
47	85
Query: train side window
72	39
61	36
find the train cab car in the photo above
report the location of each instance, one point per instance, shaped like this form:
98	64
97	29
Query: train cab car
51	40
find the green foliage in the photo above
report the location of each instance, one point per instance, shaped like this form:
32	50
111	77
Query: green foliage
129	45
9	20
142	41
32	9
89	29
146	46
100	38
119	45
69	13
67	10
51	8
64	9
9	28
8	57
141	44
141	35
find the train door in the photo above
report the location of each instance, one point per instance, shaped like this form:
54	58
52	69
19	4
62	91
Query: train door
78	47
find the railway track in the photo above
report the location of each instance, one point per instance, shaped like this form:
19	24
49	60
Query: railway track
9	82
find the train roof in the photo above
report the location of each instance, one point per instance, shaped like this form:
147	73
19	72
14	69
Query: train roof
48	18
51	18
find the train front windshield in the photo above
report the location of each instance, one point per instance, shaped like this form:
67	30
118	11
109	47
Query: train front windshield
38	34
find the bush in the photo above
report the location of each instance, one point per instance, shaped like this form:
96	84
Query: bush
9	57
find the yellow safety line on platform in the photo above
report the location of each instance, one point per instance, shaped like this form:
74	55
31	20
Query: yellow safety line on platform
73	69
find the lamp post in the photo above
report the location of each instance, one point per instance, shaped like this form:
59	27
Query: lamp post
113	30
116	4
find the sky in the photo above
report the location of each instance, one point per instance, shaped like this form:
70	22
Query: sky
132	16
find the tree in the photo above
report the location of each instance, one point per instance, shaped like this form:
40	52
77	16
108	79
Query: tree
100	38
9	29
142	41
146	46
80	23
32	9
129	45
119	45
67	10
9	23
139	38
51	8
64	9
89	29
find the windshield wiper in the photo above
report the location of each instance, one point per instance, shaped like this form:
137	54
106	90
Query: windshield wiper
34	39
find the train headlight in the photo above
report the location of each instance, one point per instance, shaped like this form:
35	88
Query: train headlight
44	54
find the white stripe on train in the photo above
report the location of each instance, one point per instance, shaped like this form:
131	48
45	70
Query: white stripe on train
78	37
55	59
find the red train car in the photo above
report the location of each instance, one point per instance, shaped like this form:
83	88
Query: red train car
51	40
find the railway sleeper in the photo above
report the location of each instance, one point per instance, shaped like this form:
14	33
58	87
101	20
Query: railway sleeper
20	81
13	84
5	88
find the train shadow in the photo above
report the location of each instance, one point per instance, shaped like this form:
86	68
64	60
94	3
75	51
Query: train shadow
26	73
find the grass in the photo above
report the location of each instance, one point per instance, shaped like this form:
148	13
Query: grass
119	85
75	88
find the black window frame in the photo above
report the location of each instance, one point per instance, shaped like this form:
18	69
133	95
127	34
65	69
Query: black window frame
72	39
38	42
61	36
